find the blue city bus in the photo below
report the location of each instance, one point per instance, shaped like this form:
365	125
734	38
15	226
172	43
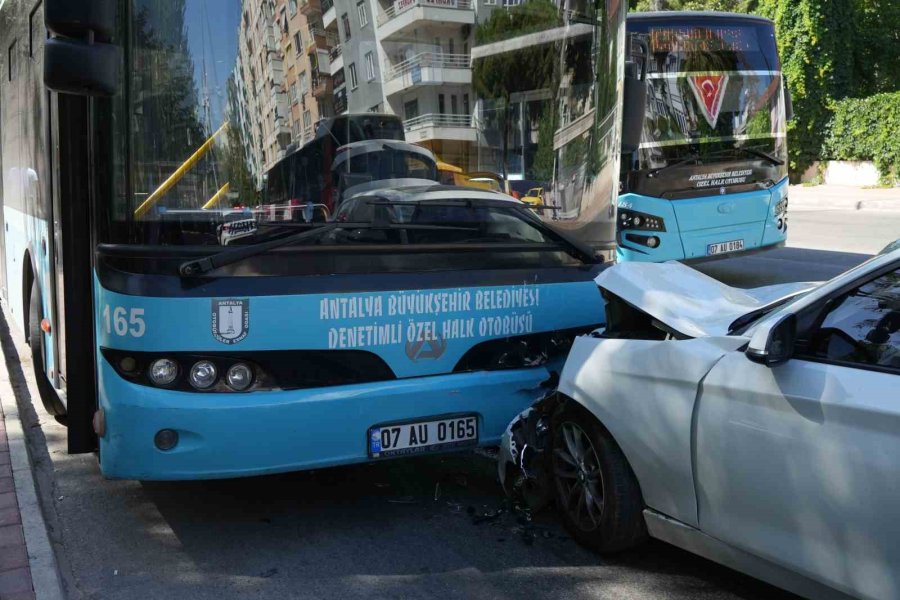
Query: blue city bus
709	177
183	342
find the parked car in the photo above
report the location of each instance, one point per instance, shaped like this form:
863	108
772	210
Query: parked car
758	428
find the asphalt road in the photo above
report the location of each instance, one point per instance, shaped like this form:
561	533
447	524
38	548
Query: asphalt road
434	527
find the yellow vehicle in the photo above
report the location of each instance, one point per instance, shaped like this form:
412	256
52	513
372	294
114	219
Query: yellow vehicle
450	174
534	197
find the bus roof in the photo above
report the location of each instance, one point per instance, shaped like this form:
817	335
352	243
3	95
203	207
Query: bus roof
667	15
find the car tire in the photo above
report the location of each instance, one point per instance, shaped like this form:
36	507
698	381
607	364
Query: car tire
597	494
49	397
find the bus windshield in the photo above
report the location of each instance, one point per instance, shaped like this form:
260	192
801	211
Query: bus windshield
714	97
237	113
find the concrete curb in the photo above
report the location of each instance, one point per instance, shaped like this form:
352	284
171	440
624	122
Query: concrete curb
41	559
843	198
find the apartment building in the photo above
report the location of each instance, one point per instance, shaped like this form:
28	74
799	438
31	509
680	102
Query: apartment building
278	91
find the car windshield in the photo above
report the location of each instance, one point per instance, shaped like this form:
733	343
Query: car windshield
241	119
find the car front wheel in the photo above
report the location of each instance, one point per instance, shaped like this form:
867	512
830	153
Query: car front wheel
597	494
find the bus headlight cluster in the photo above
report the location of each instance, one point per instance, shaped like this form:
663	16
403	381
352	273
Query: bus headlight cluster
189	372
630	219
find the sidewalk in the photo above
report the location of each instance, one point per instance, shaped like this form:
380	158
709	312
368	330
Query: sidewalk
15	574
28	568
843	197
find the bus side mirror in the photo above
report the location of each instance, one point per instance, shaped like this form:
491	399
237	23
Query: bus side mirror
634	101
788	104
76	61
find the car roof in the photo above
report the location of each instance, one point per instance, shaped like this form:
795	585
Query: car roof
668	15
438	193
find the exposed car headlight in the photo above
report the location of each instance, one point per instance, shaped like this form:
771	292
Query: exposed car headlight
203	375
239	377
163	371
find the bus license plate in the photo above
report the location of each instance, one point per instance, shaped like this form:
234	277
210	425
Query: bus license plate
423	436
722	247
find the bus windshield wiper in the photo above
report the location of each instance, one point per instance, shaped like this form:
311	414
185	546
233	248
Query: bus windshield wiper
775	161
570	245
688	160
194	268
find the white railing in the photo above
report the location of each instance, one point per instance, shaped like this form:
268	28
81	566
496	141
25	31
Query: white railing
335	52
437	120
331	38
428	59
401	6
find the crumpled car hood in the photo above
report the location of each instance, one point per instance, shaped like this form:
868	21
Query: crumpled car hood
685	299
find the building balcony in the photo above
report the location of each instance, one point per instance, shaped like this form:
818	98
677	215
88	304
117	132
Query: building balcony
321	39
310	7
322	86
403	16
440	127
329	15
427	68
336	56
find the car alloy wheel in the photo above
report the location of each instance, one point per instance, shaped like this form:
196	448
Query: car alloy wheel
576	469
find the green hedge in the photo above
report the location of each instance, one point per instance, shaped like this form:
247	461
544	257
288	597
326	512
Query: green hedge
867	129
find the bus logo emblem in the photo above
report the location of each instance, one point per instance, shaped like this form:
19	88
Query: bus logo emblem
709	90
230	320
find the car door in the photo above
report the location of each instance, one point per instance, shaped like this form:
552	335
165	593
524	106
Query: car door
799	462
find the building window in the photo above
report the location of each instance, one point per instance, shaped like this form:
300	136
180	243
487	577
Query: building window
307	120
304	84
363	17
296	130
295	97
453	104
466	107
346	22
490	2
298	43
35	27
411	109
441	105
11	60
292	7
353	81
370	66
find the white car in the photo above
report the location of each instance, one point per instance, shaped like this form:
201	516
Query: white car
758	428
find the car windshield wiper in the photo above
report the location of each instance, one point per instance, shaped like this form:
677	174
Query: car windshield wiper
194	268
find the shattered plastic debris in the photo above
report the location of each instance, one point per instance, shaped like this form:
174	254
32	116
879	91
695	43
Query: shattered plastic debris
437	491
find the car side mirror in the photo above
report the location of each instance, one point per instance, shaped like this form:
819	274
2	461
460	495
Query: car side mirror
775	344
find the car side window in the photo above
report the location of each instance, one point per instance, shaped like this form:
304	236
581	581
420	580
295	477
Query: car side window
863	326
